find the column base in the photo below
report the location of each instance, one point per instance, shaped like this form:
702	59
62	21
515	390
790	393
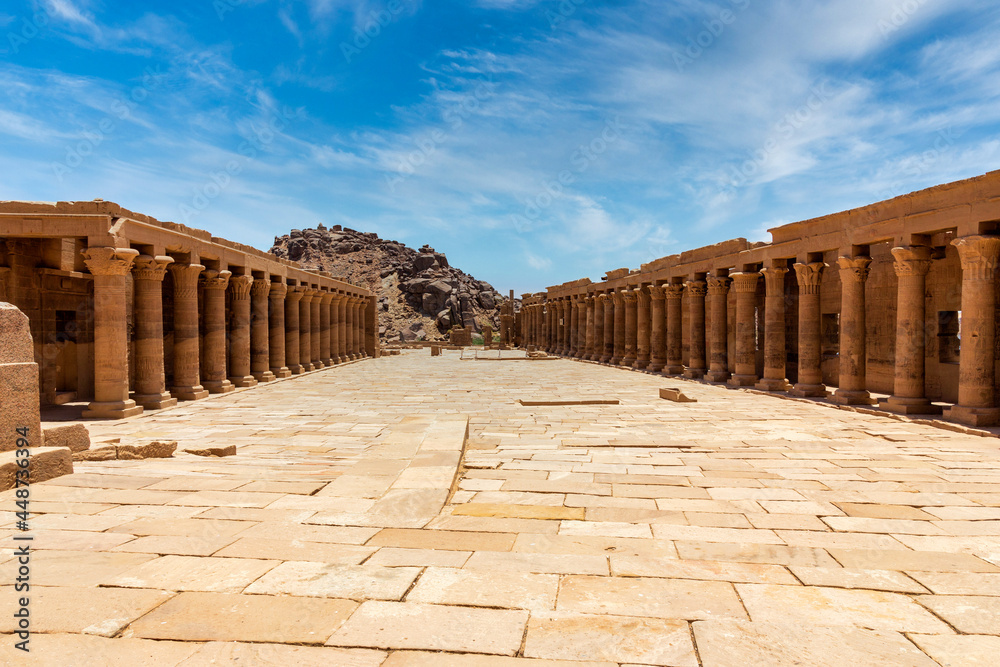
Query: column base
243	381
627	361
772	384
192	393
328	362
655	365
641	363
673	369
355	356
308	367
282	372
296	369
605	359
973	416
112	410
155	401
264	376
852	397
218	386
694	373
742	381
615	361
318	365
717	376
909	406
809	391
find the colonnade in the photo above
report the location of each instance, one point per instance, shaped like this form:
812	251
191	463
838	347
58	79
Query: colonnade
639	325
273	330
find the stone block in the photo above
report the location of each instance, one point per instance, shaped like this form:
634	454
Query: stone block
213	451
45	463
106	453
76	437
151	450
19	379
676	395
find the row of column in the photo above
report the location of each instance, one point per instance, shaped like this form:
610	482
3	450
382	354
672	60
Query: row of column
641	328
274	330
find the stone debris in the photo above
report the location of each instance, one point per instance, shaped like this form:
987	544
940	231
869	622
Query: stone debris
76	437
676	395
213	451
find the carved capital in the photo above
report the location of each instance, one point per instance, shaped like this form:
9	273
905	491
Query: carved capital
215	280
719	285
673	292
978	255
239	287
327	298
809	277
185	280
643	295
618	298
278	290
629	296
261	287
604	298
774	280
745	282
697	288
912	261
656	292
151	268
295	293
855	269
102	261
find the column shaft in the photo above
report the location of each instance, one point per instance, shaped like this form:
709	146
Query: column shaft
305	330
643	333
239	332
292	334
276	333
260	349
718	291
675	348
696	334
853	355
657	335
745	285
150	379
809	277
590	333
619	338
187	338
608	351
774	331
213	372
325	333
315	341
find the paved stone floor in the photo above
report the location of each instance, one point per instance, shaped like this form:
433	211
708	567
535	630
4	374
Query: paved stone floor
351	529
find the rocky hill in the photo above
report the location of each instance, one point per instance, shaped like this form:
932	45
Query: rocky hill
420	296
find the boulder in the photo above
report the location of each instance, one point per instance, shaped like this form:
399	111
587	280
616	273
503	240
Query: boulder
44	463
75	437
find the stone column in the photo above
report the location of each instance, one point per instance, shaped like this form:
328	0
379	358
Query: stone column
564	327
642	328
315	354
657	336
976	373
342	327
696	334
809	277
110	268
239	332
619	338
187	356
718	290
260	351
597	351
335	299
588	339
325	334
360	324
574	326
546	327
908	395
774	331
853	356
276	330
608	351
675	350
351	342
150	380
292	334
305	330
631	326
745	285
214	284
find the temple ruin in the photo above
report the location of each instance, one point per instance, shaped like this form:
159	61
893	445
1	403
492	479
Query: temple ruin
896	298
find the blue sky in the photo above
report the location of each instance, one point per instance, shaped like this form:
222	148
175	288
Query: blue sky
533	141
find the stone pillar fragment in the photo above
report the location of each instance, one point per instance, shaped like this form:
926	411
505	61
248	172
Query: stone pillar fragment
276	330
696	336
976	366
150	379
675	349
187	356
260	351
908	395
619	338
292	334
239	332
642	319
214	284
657	334
774	331
110	268
809	277
19	405
745	285
853	355
718	291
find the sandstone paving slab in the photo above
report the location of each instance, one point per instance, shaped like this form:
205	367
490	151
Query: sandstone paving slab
94	523
280	655
658	598
77	540
91	611
78	650
815	605
972	614
877	580
920	561
358	486
493	524
184	527
538	563
442	539
227	499
479	588
960	650
959	583
252	514
605	529
617	639
104	481
192	483
154	511
755	553
739	643
519	511
196	545
252	618
402	625
191	573
673	568
75	568
433	659
873	511
301	550
398	557
986	548
587	545
358	582
308	532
